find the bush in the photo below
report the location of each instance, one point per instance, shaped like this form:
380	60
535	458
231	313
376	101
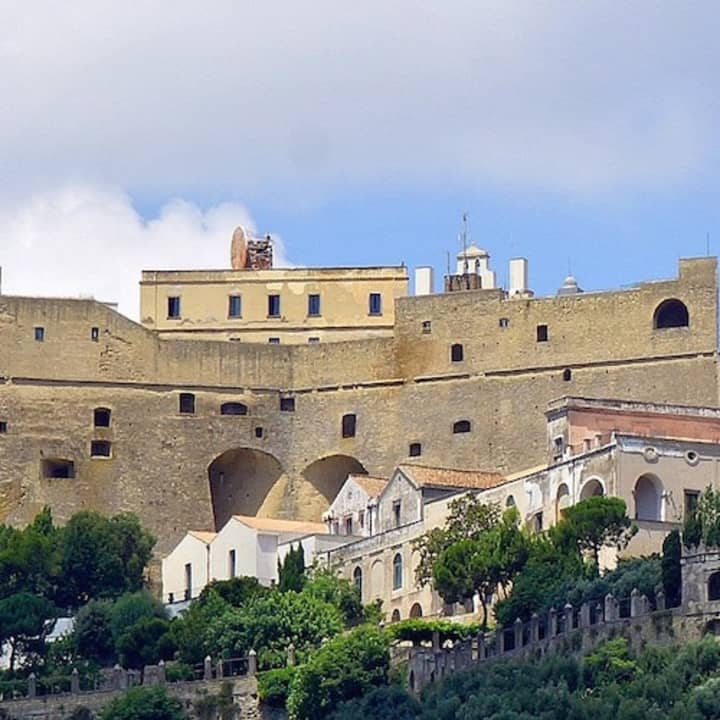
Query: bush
274	686
346	667
385	702
141	703
418	630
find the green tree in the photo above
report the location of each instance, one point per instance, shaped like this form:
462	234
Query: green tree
25	621
704	524
131	608
325	585
141	703
671	571
145	642
346	667
595	523
291	571
189	631
236	591
92	633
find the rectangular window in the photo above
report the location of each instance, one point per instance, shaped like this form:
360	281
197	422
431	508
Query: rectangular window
375	304
95	334
258	432
287	404
231	564
426	327
542	333
3	426
186	404
396	512
348	426
173	307
504	322
188	581
558	447
691	502
55	468
234	306
348	526
415	450
100	448
313	340
273	306
361	519
274	340
39	334
313	305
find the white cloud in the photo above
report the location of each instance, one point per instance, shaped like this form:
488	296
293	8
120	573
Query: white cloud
92	241
309	97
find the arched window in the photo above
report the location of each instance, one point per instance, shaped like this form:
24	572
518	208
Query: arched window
567	375
357	579
395	616
233	408
456	352
397	571
671	313
101	417
592	488
509	501
648	498
462	426
714	586
562	500
416	611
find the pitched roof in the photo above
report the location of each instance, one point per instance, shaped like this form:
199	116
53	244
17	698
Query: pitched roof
425	476
373	486
281	526
202	535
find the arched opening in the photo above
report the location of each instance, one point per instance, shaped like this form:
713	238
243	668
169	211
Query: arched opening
397	571
240	480
329	473
395	616
648	498
416	610
233	408
670	314
562	500
509	501
101	417
377	584
592	488
357	579
462	426
714	586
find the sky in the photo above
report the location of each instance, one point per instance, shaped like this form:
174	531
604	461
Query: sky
583	136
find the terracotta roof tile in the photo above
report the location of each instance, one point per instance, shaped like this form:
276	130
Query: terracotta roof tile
373	486
424	475
281	526
202	535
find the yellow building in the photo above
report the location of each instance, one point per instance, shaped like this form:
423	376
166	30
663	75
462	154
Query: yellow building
254	302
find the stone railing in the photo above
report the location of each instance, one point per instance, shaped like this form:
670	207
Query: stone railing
568	630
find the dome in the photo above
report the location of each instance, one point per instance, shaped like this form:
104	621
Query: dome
569	286
570	281
473	251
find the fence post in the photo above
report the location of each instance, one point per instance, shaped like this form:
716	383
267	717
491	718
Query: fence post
75	681
568	612
219	672
32	685
610	615
635	603
161	675
534	628
552	622
518	632
660	600
291	656
499	640
252	663
207	668
599	613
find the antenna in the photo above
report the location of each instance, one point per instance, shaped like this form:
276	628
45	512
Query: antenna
448	261
463	236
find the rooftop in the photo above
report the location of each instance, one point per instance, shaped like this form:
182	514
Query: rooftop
373	486
426	476
203	536
281	526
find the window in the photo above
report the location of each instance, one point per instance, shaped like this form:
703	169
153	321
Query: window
509	501
648	498
187	403
94	334
173	304
395	617
348	526
427	327
456	352
397	571
313	305
39	334
101	417
100	448
361	519
714	586
691	502
3	426
188	581
58	468
396	508
462	426
234	306
233	408
349	425
313	340
287	404
504	322
258	432
357	579
273	306
232	568
537	522
542	333
567	375
415	450
670	314
375	304
558	446
274	340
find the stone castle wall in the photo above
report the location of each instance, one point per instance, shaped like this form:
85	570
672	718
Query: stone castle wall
402	389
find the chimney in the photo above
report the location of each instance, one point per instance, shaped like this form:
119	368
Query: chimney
424	281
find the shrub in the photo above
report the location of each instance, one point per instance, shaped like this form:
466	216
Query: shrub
141	703
418	630
274	686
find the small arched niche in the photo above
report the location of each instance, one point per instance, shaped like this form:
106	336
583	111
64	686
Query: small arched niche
648	498
671	313
592	488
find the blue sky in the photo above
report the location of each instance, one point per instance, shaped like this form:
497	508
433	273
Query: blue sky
578	135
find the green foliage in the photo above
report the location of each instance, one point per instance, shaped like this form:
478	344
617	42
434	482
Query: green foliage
346	667
419	630
274	686
291	571
103	557
610	662
189	632
671	571
327	586
92	634
384	702
25	620
704	524
143	703
236	591
145	642
212	707
131	608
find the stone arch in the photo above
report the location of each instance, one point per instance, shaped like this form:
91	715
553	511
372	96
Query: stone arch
592	488
648	498
328	474
671	313
240	481
714	586
416	611
377	577
357	579
562	500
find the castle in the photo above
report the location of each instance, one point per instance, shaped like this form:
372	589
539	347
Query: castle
97	411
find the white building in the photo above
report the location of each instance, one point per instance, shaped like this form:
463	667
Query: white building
354	510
